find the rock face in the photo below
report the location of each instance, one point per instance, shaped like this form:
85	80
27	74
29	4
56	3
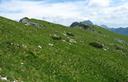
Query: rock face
27	22
24	20
75	24
83	24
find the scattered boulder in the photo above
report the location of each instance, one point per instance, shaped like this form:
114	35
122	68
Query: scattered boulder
39	46
105	48
72	41
119	47
24	46
56	37
96	44
120	40
64	40
50	44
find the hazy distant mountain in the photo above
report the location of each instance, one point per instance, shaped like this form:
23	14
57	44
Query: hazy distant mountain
120	30
104	26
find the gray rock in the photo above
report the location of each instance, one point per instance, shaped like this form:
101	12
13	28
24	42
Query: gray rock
25	21
28	22
121	41
86	22
77	24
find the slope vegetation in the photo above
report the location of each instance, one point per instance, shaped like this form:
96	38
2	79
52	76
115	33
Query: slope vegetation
55	53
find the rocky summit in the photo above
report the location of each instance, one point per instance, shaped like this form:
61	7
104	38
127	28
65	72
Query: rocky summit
83	24
86	22
30	53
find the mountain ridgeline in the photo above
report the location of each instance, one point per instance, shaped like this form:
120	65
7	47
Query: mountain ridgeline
33	50
120	30
123	31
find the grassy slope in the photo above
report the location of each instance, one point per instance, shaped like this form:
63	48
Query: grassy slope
21	59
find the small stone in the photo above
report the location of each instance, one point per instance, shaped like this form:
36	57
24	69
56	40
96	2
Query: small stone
24	46
22	63
105	49
50	44
72	41
39	46
68	37
70	44
11	43
64	40
3	78
64	34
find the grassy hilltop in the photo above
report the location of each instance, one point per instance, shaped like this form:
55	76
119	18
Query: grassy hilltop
55	53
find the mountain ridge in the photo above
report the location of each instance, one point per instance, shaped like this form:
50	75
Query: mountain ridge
120	30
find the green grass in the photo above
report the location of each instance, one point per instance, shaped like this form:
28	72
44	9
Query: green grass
23	60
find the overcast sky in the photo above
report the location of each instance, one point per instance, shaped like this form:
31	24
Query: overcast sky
113	13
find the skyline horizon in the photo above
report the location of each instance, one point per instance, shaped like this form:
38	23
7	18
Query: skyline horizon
56	22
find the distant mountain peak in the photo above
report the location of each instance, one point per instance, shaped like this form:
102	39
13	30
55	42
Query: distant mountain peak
104	26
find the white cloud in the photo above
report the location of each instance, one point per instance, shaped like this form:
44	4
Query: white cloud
99	11
99	3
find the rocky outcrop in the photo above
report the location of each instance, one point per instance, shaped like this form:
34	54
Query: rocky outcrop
28	22
24	20
86	22
83	24
75	24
